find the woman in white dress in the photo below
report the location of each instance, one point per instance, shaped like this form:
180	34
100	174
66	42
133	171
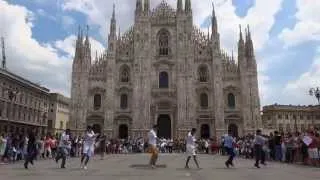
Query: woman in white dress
88	146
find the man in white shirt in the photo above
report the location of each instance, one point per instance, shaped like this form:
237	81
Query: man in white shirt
64	148
191	148
88	146
152	141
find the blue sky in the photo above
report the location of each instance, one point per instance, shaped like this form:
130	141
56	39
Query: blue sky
286	35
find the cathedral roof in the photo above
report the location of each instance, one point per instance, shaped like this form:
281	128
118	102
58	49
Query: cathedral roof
163	9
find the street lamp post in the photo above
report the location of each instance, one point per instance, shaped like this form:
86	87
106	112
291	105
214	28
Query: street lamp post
315	92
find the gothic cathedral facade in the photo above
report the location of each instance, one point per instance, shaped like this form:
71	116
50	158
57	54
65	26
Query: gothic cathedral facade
165	71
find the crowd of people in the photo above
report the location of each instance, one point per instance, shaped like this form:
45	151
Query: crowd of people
283	147
302	148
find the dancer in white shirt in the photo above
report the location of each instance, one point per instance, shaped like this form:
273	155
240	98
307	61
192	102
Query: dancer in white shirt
191	148
152	141
88	146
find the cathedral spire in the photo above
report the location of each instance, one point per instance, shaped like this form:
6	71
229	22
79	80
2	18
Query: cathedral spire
79	44
87	35
179	6
139	8
3	54
249	43
113	24
146	6
119	33
214	21
188	6
241	48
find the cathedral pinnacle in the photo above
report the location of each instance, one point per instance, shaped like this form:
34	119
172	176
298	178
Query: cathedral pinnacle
188	6
138	7
179	6
113	33
146	6
214	21
114	12
3	54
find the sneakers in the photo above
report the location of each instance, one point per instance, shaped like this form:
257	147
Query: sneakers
85	168
257	166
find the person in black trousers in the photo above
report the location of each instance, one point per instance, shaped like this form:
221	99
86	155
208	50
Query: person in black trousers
31	150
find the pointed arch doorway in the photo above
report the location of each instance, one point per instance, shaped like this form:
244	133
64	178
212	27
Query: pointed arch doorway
205	131
233	128
123	131
164	126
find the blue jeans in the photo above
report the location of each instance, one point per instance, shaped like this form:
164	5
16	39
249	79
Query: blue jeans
231	154
278	153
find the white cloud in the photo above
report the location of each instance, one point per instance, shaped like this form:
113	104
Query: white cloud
297	91
308	24
67	21
35	61
99	12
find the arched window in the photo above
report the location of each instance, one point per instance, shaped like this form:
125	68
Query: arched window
231	101
124	75
204	101
124	101
203	74
163	80
97	101
164	43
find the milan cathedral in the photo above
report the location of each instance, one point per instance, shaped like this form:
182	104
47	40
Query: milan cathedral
163	70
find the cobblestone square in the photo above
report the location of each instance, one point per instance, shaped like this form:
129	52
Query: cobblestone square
133	167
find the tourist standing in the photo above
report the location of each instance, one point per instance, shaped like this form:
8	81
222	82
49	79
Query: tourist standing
259	142
152	142
31	151
278	147
102	139
64	148
3	144
88	147
229	147
191	148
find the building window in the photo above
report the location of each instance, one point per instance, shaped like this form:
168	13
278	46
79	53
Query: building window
203	74
279	116
163	80
204	101
61	124
125	74
231	101
301	117
124	101
287	116
302	127
164	43
294	117
97	101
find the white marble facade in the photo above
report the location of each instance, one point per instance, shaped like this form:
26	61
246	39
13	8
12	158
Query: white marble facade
164	70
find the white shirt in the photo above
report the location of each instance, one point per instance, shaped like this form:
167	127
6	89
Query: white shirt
89	138
64	137
191	140
152	136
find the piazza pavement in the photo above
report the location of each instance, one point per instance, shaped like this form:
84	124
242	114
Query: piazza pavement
170	167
